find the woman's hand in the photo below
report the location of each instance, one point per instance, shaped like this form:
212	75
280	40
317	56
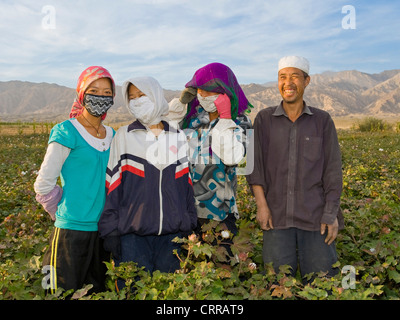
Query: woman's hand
223	104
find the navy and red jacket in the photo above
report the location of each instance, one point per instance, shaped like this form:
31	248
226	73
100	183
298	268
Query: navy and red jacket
148	185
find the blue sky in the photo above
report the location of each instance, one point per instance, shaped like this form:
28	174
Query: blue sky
54	41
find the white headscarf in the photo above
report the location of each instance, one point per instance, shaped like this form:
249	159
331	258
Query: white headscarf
153	90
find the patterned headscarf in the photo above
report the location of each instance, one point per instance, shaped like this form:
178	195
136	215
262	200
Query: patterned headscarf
85	79
217	77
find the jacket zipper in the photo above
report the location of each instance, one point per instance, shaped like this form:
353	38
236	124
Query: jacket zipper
161	202
161	205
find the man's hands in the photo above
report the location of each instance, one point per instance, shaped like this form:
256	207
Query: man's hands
263	217
332	231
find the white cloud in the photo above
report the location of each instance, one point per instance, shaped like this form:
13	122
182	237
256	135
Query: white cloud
170	39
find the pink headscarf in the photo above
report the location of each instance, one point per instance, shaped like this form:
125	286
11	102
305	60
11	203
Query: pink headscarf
85	79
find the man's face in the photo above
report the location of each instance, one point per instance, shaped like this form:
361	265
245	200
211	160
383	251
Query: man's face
291	82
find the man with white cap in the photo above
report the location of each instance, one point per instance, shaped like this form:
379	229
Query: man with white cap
297	177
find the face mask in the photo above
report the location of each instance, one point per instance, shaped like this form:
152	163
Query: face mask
208	102
142	109
97	105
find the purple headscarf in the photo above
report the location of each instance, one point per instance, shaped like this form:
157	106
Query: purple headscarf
217	77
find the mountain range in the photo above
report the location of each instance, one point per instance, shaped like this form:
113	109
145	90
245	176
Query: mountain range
342	94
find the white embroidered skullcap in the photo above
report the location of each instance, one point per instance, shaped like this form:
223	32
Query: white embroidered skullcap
294	62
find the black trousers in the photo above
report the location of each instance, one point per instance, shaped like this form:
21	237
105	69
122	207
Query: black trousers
74	259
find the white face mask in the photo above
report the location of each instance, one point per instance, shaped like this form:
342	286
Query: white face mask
143	109
208	102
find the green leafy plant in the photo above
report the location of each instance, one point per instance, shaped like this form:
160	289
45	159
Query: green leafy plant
218	265
371	124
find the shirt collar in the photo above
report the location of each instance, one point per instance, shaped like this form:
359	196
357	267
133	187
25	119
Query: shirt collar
281	112
137	125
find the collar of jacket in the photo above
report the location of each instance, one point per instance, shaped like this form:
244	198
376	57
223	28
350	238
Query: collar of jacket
137	125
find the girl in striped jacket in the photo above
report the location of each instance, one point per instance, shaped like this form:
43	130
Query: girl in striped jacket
150	197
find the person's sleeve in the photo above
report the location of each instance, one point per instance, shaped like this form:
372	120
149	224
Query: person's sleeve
332	175
48	193
50	169
177	111
108	222
257	176
190	198
229	142
63	133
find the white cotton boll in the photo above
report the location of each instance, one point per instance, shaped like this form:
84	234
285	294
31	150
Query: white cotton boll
225	234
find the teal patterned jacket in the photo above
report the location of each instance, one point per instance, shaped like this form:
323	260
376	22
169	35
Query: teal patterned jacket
216	150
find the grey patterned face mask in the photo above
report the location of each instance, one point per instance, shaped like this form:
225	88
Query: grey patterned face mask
97	105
